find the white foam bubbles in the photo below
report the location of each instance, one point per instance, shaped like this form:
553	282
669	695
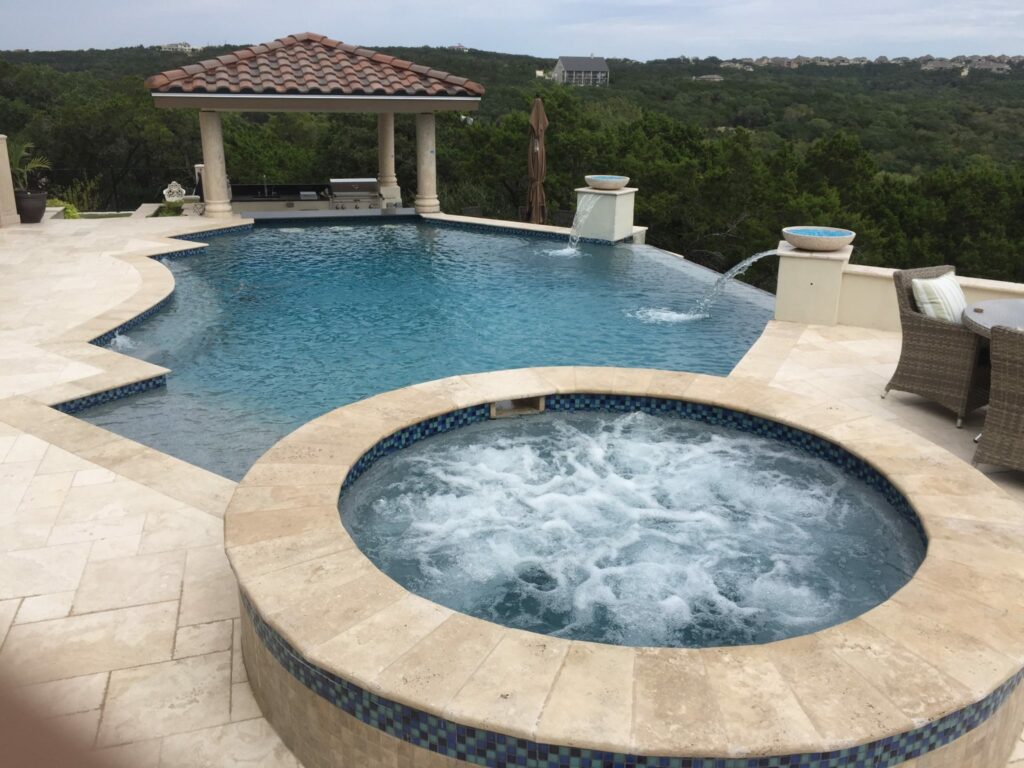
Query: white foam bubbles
662	315
630	529
122	342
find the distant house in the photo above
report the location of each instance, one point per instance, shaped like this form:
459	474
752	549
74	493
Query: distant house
936	65
581	70
178	47
992	66
458	47
709	79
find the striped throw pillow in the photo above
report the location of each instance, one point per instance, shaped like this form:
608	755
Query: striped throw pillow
940	297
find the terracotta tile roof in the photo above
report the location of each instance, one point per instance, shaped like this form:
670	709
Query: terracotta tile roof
310	64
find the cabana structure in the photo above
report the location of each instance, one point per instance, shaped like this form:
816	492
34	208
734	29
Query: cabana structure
313	73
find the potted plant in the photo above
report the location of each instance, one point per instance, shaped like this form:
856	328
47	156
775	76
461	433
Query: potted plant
31	204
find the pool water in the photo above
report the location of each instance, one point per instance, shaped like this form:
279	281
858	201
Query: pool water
631	529
270	328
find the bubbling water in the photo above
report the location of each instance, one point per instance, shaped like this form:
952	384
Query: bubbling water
631	529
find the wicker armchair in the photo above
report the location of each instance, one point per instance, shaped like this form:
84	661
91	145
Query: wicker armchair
939	361
1002	441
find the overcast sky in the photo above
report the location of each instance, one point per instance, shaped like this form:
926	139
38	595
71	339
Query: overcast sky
638	29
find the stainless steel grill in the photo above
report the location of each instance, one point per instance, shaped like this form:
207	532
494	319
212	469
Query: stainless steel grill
354	193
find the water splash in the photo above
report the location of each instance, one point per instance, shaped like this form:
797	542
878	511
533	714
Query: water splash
701	310
651	315
584	208
122	342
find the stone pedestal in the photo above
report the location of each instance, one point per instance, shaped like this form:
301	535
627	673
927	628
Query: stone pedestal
216	192
426	165
810	284
611	214
8	210
387	181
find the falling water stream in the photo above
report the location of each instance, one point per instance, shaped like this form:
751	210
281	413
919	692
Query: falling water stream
701	309
584	208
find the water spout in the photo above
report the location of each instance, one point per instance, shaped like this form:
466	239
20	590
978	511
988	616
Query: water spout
701	309
583	210
703	306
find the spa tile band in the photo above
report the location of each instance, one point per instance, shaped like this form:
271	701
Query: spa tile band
481	747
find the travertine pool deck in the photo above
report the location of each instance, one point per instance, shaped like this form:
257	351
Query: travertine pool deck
117	604
118	608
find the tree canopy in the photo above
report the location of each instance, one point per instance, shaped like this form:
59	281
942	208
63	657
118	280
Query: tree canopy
927	167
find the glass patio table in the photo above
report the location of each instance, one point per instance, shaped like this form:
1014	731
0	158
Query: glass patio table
983	316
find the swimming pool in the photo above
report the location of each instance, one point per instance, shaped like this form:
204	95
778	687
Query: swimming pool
269	328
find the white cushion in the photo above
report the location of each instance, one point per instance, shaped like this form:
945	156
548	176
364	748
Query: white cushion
940	297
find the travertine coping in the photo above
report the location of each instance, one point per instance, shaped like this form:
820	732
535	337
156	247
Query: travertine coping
948	638
156	284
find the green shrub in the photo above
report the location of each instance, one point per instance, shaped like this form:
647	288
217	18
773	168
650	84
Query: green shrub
70	210
170	209
83	194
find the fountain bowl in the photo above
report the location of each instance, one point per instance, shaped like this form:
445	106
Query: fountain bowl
604	181
811	238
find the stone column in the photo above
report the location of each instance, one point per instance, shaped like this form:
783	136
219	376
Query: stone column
426	165
391	194
810	284
8	211
216	194
605	214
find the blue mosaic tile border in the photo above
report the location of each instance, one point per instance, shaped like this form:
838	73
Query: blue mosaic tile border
477	746
495	750
106	338
504	230
99	398
403	438
201	237
178	254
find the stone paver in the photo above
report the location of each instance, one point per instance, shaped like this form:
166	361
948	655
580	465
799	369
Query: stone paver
248	743
126	581
145	642
851	366
117	606
95	642
198	639
162	699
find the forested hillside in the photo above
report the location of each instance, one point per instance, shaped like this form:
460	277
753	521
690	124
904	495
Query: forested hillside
928	167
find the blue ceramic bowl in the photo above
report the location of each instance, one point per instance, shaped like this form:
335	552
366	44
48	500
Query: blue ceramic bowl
603	181
809	238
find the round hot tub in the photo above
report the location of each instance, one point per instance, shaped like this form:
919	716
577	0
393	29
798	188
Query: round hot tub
665	526
642	568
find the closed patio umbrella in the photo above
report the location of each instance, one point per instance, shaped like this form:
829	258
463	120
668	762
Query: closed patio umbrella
536	204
